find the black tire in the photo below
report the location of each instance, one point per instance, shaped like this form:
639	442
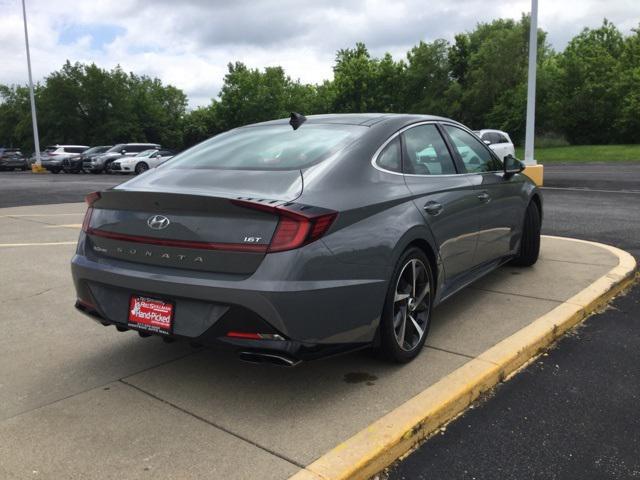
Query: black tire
389	347
107	167
141	168
55	170
530	243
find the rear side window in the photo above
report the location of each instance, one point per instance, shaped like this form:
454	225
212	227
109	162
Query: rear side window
390	156
502	138
426	152
74	149
269	147
476	156
137	148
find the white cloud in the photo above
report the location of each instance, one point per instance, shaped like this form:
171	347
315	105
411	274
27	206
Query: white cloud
189	43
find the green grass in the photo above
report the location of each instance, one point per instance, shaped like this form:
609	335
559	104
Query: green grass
585	154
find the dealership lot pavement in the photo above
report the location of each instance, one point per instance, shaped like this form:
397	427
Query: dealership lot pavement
78	399
582	395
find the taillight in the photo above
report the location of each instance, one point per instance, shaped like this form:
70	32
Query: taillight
298	225
90	200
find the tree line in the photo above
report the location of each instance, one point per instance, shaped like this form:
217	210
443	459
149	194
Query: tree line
587	94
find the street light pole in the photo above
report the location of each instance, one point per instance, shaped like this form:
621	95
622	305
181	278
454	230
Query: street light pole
36	137
531	87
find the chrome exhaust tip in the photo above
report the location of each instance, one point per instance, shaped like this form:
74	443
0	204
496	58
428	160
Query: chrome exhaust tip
279	359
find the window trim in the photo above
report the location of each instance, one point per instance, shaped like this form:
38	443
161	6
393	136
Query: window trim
445	138
384	147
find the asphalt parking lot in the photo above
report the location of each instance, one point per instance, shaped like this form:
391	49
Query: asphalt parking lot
474	446
573	413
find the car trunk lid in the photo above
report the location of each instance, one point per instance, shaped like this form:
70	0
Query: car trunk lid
192	219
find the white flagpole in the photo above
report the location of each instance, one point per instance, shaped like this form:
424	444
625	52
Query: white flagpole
531	87
36	138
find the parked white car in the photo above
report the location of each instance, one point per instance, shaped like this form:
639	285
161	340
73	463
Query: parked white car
498	141
142	162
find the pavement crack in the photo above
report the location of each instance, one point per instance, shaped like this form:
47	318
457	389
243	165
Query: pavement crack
470	357
26	219
42	292
516	294
94	387
213	424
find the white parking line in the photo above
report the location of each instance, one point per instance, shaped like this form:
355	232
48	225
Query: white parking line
40	215
42	244
68	225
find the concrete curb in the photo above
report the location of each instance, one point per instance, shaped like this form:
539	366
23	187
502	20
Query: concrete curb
387	439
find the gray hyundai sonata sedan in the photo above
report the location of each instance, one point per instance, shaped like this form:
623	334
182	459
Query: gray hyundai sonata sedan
299	238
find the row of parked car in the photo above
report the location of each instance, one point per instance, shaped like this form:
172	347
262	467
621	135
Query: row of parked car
122	158
140	157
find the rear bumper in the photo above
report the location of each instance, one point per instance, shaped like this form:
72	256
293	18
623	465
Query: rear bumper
14	164
315	317
215	336
52	166
92	167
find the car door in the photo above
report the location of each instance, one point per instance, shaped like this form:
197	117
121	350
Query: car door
498	204
442	195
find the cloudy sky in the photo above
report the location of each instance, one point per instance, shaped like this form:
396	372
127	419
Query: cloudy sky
188	43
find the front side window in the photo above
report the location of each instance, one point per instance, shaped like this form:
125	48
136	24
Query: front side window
147	153
269	147
426	152
476	157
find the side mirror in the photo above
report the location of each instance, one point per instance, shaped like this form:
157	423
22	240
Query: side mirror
512	165
123	151
487	142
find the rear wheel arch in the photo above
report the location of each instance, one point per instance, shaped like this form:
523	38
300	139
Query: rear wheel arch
423	245
421	238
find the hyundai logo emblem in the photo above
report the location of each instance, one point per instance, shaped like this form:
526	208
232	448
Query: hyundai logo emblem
158	222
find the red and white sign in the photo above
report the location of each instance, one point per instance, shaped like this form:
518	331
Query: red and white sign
150	314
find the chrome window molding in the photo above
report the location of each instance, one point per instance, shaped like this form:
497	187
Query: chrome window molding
374	159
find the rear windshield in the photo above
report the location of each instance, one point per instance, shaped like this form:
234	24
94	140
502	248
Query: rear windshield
269	147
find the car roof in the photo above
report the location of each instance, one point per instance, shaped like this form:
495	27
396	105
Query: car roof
65	146
365	119
491	130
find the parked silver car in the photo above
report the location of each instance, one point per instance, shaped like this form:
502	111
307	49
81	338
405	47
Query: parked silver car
53	155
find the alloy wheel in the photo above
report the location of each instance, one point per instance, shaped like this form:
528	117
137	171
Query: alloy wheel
411	304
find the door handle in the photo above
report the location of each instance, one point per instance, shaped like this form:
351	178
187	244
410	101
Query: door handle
433	208
484	197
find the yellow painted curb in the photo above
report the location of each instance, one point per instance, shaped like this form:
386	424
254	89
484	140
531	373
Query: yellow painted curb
38	169
535	173
387	439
